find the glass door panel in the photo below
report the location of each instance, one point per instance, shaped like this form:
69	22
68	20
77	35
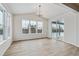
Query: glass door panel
54	29
58	29
62	30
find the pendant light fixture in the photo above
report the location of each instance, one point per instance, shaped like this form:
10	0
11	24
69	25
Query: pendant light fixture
39	12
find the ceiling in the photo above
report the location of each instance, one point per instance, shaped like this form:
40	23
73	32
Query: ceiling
48	10
17	8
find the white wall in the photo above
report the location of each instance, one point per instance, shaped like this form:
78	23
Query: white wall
18	35
70	33
70	28
77	29
5	44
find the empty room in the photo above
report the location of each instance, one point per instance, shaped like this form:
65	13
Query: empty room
39	29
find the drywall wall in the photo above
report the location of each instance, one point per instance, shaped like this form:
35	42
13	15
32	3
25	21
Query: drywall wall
5	44
69	25
18	35
70	28
77	29
69	18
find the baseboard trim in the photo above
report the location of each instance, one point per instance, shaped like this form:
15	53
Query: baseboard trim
33	39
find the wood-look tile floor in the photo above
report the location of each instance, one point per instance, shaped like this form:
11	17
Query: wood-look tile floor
42	47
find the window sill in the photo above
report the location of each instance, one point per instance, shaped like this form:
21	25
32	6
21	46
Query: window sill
1	42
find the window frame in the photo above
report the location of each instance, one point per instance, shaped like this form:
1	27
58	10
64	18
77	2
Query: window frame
36	27
41	28
25	25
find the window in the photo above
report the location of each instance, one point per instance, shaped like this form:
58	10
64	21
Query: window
25	26
33	26
1	25
4	25
8	21
7	25
39	27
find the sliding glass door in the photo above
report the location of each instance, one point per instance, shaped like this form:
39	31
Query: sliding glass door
58	29
61	29
54	29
